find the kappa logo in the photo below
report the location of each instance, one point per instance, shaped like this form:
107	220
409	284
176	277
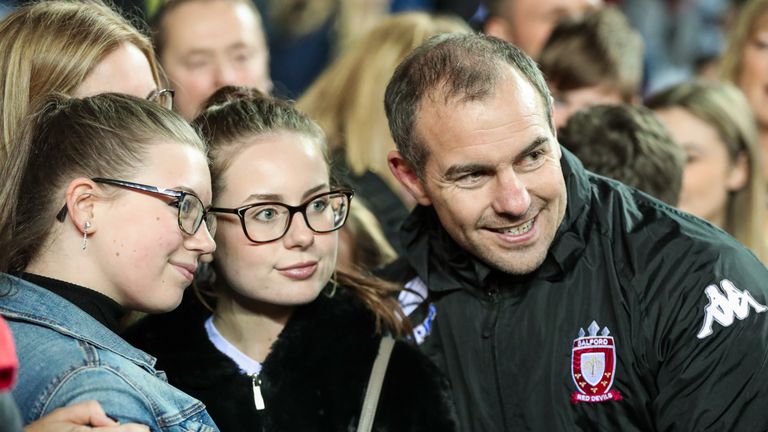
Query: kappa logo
593	366
725	304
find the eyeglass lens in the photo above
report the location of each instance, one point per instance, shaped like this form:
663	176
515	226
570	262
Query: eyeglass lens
191	215
269	222
163	97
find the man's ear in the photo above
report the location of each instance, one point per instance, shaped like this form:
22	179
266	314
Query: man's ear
80	201
497	27
407	177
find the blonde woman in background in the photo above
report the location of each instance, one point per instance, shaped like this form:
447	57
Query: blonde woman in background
71	47
347	102
722	179
745	63
362	245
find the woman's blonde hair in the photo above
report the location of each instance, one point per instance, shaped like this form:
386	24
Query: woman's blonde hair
51	46
370	249
347	100
724	107
107	135
738	38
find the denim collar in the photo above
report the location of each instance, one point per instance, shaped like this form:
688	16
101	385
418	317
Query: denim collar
23	301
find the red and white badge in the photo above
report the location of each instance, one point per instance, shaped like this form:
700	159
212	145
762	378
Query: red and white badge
593	366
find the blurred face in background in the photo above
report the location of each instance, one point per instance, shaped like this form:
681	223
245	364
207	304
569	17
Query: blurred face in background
753	76
710	174
570	102
209	44
528	23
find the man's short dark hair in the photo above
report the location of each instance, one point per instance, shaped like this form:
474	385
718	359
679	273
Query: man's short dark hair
599	49
454	67
627	143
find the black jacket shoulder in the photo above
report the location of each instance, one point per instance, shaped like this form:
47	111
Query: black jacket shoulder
313	380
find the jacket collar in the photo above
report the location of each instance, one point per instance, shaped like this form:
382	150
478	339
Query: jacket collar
445	266
23	301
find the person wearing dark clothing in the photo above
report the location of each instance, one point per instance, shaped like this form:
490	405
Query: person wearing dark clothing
313	379
557	299
290	340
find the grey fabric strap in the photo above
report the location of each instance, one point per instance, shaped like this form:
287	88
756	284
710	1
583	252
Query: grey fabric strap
373	391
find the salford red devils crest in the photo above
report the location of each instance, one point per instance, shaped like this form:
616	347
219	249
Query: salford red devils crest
593	366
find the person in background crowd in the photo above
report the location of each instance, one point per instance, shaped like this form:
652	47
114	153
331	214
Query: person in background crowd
528	23
629	144
722	181
204	45
291	340
362	245
347	102
107	199
79	48
557	299
594	60
745	63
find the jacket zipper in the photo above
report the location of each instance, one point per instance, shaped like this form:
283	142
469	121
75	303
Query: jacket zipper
489	332
258	399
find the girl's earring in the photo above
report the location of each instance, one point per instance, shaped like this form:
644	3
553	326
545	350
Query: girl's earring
330	291
86	226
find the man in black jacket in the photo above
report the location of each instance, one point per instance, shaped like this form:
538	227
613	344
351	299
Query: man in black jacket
556	299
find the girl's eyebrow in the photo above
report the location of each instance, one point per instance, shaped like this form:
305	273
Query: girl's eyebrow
279	197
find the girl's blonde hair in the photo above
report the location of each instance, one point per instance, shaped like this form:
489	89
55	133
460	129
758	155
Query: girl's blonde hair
51	46
347	100
108	135
724	107
738	38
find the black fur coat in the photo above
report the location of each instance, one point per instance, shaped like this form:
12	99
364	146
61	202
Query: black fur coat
313	380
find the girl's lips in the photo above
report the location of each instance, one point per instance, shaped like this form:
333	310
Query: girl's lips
187	271
299	271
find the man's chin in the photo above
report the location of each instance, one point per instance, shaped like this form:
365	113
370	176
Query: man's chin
518	263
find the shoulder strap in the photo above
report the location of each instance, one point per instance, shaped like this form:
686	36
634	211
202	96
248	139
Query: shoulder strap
373	391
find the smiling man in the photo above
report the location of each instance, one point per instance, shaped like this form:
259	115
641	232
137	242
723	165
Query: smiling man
552	298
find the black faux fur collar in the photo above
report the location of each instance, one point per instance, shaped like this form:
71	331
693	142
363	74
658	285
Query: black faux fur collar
313	380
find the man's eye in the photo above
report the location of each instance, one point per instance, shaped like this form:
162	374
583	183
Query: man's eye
470	179
534	159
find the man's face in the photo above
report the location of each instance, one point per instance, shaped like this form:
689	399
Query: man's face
528	23
210	44
493	174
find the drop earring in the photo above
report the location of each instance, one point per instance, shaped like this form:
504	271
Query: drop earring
330	292
86	225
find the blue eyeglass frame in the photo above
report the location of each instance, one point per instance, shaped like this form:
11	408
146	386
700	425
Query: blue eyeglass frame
172	193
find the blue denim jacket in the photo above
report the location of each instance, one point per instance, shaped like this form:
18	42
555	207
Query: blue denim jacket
66	356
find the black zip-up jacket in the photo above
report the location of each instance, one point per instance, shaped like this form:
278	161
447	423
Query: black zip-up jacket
314	378
641	318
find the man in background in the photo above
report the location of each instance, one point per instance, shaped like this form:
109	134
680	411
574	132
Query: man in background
204	45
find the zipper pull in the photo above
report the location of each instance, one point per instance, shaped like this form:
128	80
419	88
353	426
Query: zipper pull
258	399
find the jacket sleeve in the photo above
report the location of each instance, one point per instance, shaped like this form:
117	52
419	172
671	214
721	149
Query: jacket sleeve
119	398
415	395
708	341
